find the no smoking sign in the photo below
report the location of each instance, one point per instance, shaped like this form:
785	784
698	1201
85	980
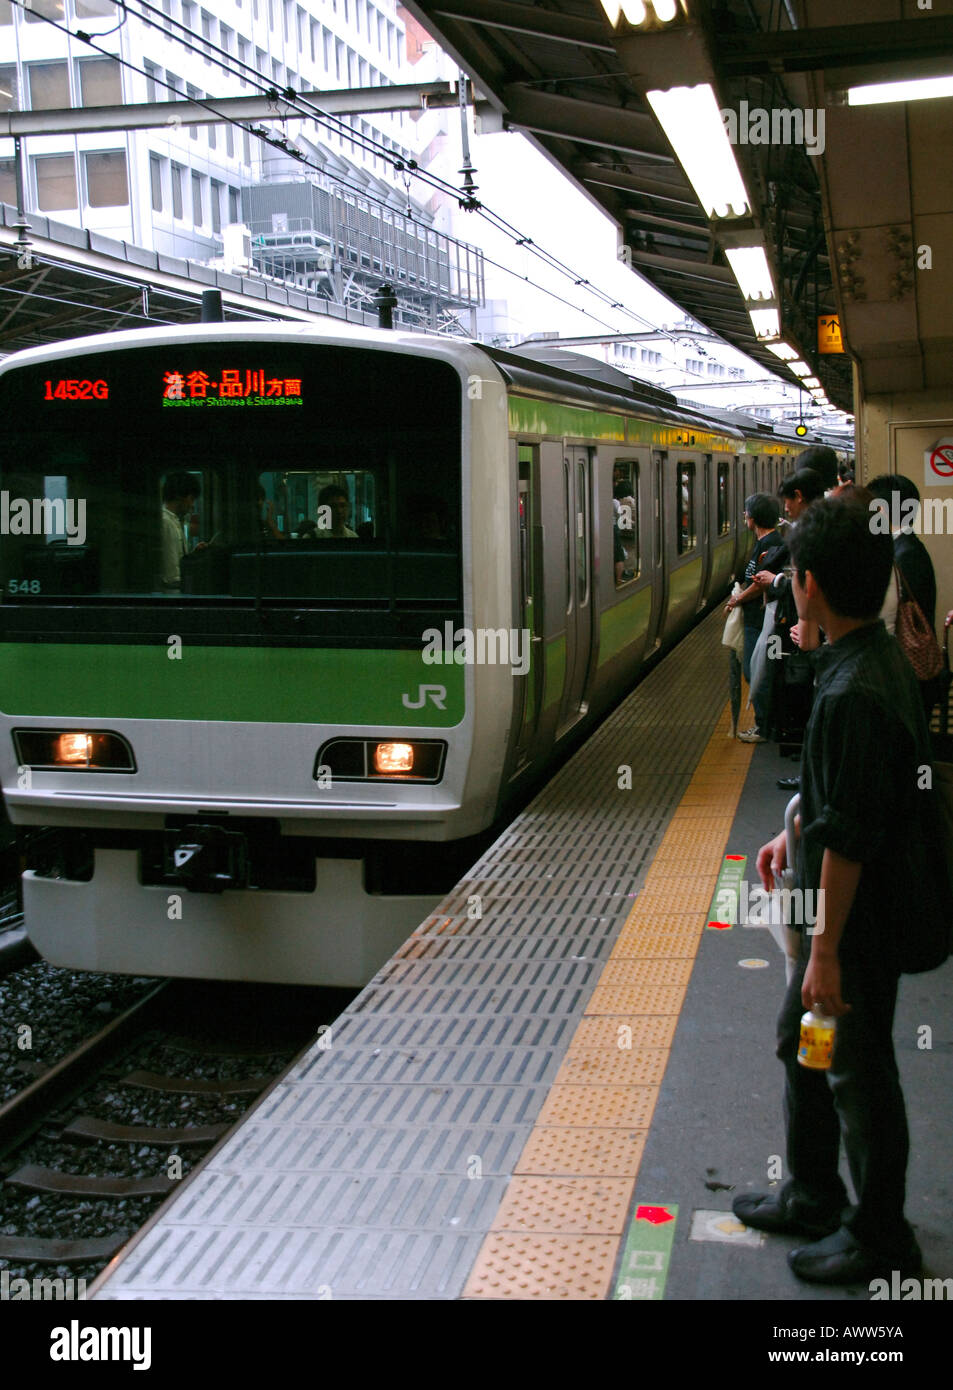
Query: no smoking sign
938	464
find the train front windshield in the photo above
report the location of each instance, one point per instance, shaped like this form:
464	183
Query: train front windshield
214	474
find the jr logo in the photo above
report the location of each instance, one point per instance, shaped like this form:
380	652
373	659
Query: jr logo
437	693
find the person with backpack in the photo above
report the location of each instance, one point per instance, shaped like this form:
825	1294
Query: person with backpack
868	837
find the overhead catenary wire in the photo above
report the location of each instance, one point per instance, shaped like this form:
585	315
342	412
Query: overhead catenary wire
205	48
308	109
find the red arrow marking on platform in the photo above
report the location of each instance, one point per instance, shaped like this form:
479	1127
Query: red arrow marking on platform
656	1215
734	856
720	926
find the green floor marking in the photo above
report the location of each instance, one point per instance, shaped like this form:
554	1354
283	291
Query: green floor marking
648	1249
723	912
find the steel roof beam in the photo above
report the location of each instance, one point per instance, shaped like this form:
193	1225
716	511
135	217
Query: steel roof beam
590	122
529	19
635	183
836	46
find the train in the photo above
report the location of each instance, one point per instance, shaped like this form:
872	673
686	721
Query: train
290	613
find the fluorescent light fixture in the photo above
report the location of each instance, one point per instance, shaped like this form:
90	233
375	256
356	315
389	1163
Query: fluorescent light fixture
692	121
799	368
918	89
665	9
766	322
783	350
750	265
634	10
812	383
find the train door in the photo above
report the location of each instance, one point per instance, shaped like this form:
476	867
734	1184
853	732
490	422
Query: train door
577	484
530	613
706	530
660	581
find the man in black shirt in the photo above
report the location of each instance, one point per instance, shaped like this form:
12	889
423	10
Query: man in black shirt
867	833
761	517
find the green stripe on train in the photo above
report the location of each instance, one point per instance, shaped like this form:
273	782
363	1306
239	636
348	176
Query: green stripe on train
317	685
624	623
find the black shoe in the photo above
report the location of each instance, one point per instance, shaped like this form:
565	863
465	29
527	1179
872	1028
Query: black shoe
789	784
840	1259
784	1214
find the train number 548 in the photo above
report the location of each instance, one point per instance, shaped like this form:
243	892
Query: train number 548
74	390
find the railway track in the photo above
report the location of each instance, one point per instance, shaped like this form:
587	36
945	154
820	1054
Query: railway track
89	1149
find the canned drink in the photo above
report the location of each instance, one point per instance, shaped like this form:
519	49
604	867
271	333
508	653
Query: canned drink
816	1046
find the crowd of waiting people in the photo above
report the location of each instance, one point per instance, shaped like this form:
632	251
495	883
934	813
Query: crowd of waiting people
783	688
868	834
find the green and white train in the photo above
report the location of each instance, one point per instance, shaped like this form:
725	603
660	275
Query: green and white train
243	721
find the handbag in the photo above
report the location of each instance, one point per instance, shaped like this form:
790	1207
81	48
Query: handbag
915	635
734	633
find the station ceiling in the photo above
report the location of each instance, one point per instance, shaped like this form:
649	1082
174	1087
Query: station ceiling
841	226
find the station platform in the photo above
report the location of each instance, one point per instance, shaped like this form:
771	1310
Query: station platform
556	1086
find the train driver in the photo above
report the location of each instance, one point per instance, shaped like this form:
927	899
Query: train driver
335	497
179	494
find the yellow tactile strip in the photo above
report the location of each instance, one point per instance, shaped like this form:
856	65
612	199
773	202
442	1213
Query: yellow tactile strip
557	1233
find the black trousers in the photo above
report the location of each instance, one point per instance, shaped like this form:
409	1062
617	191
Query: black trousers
858	1099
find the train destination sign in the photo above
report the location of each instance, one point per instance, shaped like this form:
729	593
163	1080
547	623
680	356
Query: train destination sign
232	386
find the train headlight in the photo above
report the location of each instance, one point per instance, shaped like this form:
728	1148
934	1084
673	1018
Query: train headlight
380	760
73	750
394	757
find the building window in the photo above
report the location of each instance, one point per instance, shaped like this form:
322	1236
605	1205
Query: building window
49	86
177	172
198	216
207	31
246	146
8	182
47	9
230	141
227	38
155	176
193	95
55	182
212	136
243	50
93	9
234	205
152	72
106	183
100	82
216	201
9	89
189	18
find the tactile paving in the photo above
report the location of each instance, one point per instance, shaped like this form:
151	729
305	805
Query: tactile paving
392	1145
574	1206
608	1066
550	1267
613	1106
644	1030
636	999
566	1151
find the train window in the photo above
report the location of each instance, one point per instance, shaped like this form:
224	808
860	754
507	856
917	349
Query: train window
625	522
724	508
582	531
205	473
567	485
686	507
